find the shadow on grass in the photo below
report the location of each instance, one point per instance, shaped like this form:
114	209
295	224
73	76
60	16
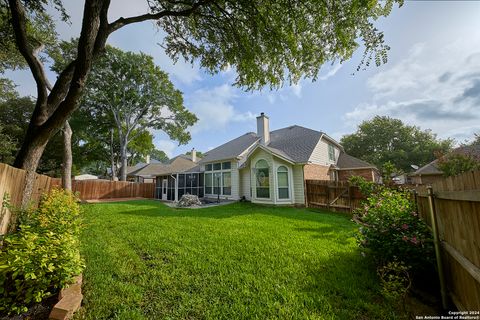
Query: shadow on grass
158	209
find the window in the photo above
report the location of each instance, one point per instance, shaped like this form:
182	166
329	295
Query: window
227	183
226	165
262	179
331	152
219	181
282	180
217	176
208	183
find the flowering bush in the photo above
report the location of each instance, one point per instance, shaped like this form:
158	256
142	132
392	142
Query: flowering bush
391	228
43	256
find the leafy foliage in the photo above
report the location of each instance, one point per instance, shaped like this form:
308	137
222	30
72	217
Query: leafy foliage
457	163
395	280
7	147
43	256
384	139
391	228
274	42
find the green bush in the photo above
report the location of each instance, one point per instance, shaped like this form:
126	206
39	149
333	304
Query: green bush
43	256
391	228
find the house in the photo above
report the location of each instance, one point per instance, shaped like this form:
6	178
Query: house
150	171
430	172
85	176
266	167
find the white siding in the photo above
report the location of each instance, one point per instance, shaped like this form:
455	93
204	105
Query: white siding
235	182
298	185
320	153
245	183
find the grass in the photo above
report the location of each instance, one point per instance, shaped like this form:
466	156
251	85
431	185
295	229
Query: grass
240	261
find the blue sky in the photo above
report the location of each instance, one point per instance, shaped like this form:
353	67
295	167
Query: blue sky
432	79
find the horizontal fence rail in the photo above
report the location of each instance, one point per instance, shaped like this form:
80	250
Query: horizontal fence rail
455	203
106	189
12	182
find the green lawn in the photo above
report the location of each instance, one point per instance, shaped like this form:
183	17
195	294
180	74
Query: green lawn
240	261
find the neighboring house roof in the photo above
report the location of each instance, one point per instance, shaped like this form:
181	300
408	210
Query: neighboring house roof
131	169
86	176
293	143
180	163
432	167
346	161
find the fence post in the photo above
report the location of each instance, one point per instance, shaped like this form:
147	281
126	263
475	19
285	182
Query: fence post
436	242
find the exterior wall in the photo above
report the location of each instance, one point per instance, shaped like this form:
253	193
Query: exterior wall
368	174
235	181
298	185
245	189
316	172
320	153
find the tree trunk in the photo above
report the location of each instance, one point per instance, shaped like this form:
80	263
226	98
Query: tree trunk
67	157
123	159
112	158
27	159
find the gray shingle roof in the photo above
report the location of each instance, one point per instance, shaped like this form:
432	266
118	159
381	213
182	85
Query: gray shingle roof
346	161
180	163
294	143
230	149
432	168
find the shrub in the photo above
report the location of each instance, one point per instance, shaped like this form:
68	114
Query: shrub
391	228
43	256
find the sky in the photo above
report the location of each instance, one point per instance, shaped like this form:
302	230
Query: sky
431	80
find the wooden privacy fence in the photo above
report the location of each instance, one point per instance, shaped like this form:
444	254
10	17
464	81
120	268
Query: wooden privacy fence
12	181
333	195
106	189
452	208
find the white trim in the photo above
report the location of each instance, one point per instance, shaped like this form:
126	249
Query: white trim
253	168
290	178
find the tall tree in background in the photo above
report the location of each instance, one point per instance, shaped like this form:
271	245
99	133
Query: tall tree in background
131	90
383	139
266	42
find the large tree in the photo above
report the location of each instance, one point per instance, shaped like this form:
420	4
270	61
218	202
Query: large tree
137	95
383	140
266	42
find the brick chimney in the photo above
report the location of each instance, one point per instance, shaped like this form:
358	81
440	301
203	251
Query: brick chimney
194	155
263	128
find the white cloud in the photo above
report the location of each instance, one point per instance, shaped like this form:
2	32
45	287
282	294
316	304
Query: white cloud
215	110
331	71
166	146
434	87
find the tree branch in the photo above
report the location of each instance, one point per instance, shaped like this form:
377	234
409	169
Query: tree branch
121	22
19	23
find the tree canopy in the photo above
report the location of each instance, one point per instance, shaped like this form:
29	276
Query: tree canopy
133	95
384	139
